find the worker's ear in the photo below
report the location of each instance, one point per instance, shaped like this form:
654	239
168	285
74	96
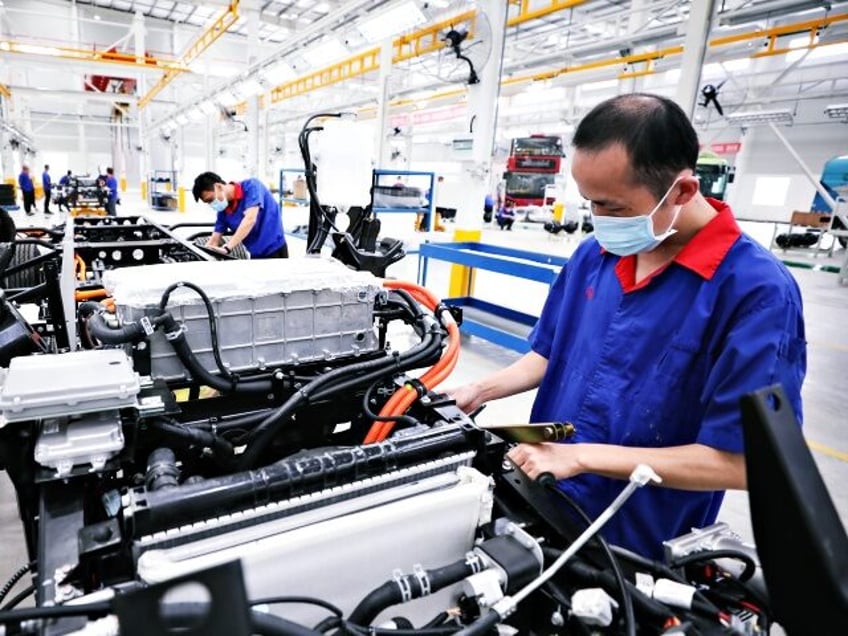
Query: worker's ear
687	188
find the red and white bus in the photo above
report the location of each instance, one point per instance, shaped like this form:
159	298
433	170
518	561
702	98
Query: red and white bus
533	163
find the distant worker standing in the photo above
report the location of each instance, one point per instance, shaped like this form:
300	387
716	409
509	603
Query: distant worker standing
27	189
248	210
488	208
46	185
64	188
112	186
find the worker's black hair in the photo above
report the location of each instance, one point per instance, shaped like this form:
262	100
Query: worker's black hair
205	182
655	132
110	170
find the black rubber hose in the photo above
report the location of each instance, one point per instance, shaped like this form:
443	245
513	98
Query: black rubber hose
17	576
17	599
656	567
408	360
547	480
210	316
220	447
366	410
86	310
55	611
199	373
340	379
606	580
125	334
389	593
271	625
710	555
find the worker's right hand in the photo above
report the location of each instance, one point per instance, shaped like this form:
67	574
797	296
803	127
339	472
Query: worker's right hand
468	397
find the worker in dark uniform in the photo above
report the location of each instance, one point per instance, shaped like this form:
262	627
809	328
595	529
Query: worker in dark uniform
112	186
27	189
64	188
248	210
47	186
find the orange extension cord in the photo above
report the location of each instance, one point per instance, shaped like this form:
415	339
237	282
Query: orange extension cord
404	397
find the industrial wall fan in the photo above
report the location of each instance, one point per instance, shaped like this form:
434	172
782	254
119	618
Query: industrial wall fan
466	51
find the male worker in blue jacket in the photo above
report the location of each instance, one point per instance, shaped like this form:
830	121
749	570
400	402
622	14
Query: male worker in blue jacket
657	326
112	186
46	185
27	189
248	210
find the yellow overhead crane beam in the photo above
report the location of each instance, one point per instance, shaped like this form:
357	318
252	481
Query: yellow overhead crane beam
813	27
87	55
420	42
5	92
525	13
202	42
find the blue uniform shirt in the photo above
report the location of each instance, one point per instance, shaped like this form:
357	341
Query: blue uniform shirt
25	181
664	362
45	181
112	184
266	237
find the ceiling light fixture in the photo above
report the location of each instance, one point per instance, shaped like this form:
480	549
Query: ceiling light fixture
837	111
757	117
389	23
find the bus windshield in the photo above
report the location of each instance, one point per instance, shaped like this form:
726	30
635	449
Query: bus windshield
538	146
527	186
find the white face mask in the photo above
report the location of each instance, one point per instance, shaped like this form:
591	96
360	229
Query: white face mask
219	205
626	235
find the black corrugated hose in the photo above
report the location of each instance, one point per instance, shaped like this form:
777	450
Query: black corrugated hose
389	593
17	576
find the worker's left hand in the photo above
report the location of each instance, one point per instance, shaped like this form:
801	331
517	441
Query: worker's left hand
217	248
558	459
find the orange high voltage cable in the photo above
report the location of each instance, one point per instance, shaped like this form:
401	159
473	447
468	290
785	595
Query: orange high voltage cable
405	396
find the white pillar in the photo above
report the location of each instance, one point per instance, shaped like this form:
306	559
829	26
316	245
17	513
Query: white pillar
264	141
694	49
252	159
83	168
381	144
73	24
143	135
481	121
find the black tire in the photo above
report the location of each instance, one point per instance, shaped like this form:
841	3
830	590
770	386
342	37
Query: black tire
7	227
28	277
239	252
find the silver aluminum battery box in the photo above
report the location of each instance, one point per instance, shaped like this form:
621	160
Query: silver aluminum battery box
269	313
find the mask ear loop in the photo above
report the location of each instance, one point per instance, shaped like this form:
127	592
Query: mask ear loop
670	229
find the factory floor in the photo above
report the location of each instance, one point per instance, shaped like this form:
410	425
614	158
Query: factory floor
825	308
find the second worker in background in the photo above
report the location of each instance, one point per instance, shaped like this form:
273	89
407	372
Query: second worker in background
248	210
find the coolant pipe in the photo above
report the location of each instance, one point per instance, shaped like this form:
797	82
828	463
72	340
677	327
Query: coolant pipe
125	334
408	587
176	336
151	511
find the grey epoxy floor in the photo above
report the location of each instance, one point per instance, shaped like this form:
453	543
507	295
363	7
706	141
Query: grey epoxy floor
826	310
